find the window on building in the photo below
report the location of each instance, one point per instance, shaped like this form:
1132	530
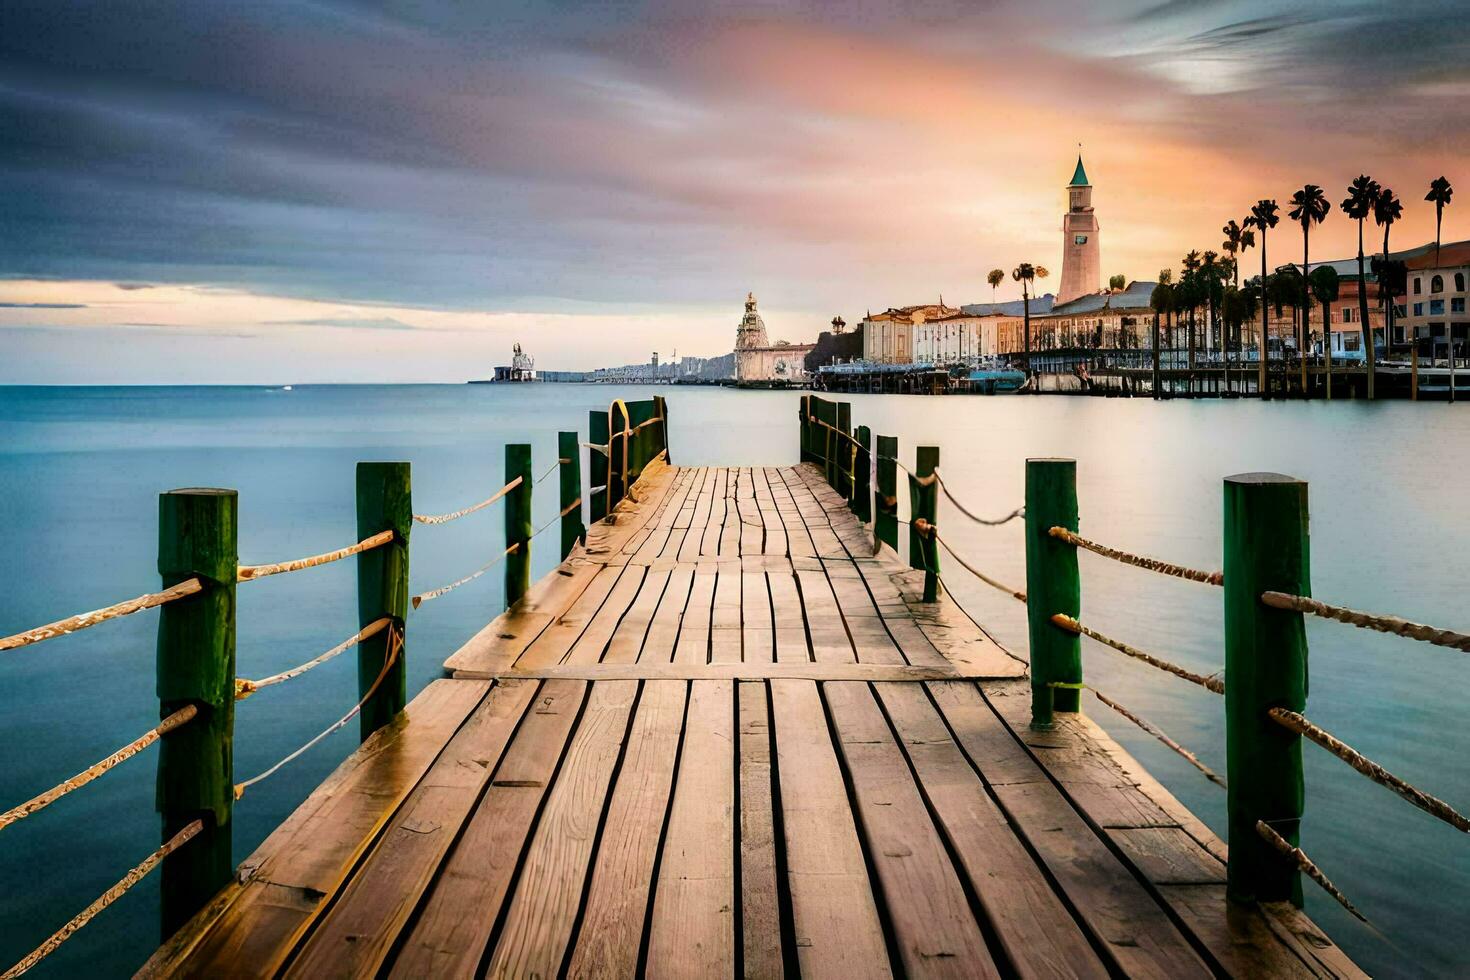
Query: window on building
1418	308
1079	239
1400	311
1459	282
1457	304
1436	307
1417	281
1436	284
1349	314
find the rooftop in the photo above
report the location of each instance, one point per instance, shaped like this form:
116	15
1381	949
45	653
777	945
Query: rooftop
1079	176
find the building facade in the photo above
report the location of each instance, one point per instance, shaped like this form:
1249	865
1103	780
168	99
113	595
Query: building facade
888	337
760	363
1435	308
1081	258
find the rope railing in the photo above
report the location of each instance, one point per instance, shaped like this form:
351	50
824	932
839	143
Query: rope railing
424	597
72	624
1429	804
249	573
549	470
137	874
1209	683
1306	865
395	644
244	687
988	522
1001	586
1138	561
1373	621
922	481
456	515
1153	730
600	447
37	803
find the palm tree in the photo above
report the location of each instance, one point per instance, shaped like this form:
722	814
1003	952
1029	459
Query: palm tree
995	277
1041	273
1362	196
1324	290
1188	299
1025	274
1386	210
1211	272
1116	283
1237	240
1440	193
1162	301
1310	206
1263	218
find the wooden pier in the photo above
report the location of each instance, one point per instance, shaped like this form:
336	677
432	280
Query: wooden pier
727	737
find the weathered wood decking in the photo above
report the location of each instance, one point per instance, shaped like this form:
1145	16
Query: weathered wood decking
727	738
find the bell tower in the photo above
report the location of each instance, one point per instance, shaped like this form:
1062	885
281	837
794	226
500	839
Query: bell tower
1081	260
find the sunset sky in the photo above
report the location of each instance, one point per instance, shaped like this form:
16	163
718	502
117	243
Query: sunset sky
397	190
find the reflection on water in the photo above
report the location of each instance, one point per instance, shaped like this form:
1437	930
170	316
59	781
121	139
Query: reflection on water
80	470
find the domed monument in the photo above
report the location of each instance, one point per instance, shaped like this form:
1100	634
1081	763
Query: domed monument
758	362
1081	259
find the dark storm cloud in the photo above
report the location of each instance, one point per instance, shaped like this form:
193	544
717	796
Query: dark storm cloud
488	154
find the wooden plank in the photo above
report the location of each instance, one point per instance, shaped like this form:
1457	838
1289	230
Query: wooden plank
726	617
752	524
305	860
934	930
1117	910
692	931
627	640
758	634
786	612
727	670
355	935
663	632
538	926
594	639
760	918
694	628
617	901
774	542
552	645
444	940
835	918
1032	925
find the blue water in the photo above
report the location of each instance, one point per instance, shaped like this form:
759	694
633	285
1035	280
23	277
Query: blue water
80	470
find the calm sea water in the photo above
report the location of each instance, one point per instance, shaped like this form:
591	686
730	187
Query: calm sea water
80	470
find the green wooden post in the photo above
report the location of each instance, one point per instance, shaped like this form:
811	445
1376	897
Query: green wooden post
1052	586
861	502
598	469
844	450
620	453
803	429
198	535
572	528
924	502
662	404
384	503
518	522
1266	549
827	412
885	521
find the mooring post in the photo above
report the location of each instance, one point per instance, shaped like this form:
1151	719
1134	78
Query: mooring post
1266	549
518	522
572	528
804	428
924	503
843	450
1052	586
384	503
861	502
885	503
198	536
599	469
662	406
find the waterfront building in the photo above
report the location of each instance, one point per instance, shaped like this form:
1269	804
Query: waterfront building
1081	258
1434	310
888	337
1101	320
760	363
955	338
522	367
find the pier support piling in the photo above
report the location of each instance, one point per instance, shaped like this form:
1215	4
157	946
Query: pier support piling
1052	586
924	505
1266	549
570	471
842	450
599	468
384	503
885	520
518	522
861	502
198	536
